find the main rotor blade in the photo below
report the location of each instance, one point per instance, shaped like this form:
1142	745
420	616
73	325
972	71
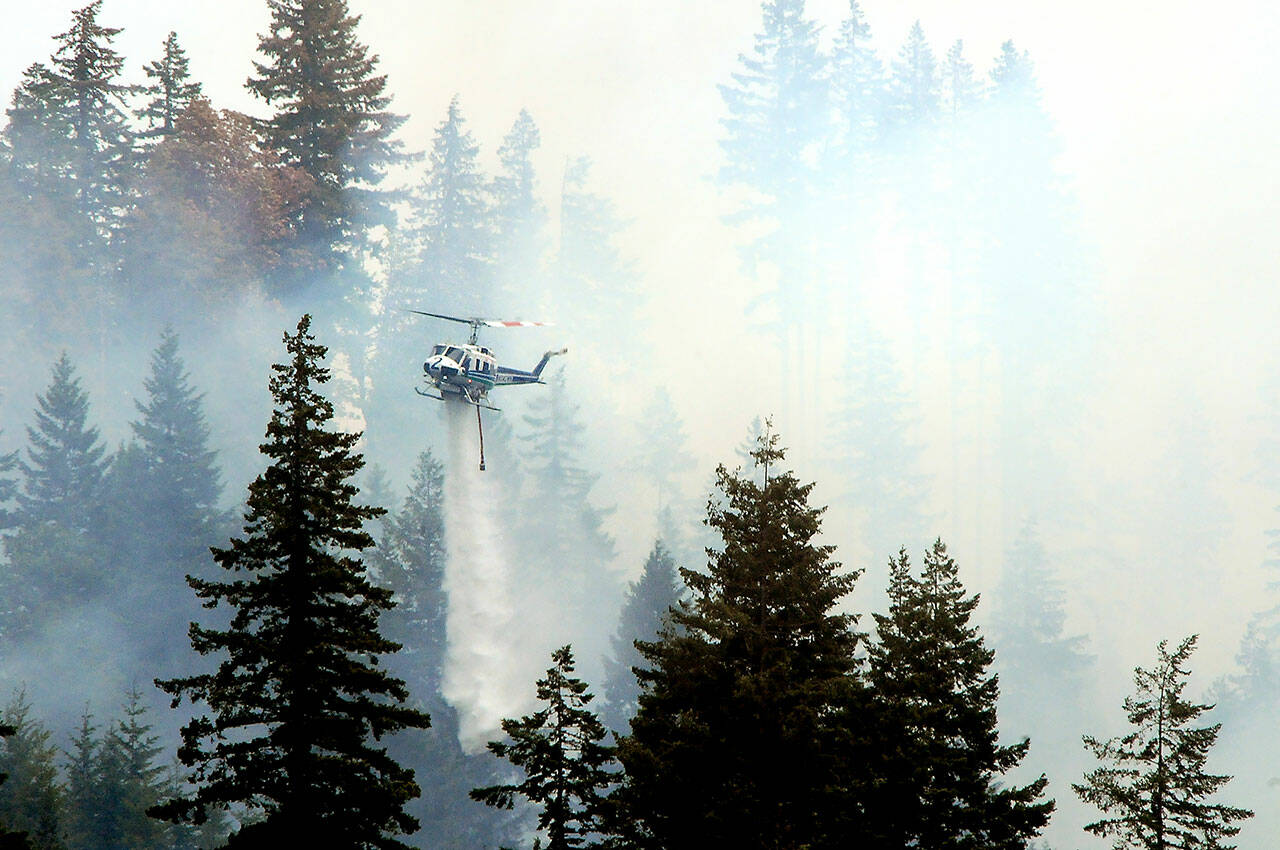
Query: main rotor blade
442	316
488	323
499	323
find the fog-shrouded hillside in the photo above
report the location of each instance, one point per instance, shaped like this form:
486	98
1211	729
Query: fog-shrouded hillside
995	276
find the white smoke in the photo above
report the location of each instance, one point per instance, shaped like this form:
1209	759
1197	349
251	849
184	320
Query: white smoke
479	672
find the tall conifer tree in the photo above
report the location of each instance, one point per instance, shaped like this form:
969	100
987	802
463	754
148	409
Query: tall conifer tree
330	120
170	90
857	90
732	745
1153	787
914	87
31	796
10	839
558	506
86	91
452	219
561	753
85	796
943	784
299	701
519	217
649	601
65	461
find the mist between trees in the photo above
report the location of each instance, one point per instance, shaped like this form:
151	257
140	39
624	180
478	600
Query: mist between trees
910	296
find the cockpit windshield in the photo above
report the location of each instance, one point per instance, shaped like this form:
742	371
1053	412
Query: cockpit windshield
454	354
439	349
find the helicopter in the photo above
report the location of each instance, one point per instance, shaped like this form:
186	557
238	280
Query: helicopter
467	372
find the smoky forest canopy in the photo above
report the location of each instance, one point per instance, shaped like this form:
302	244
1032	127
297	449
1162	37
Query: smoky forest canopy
750	644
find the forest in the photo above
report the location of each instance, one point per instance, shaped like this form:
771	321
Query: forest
255	592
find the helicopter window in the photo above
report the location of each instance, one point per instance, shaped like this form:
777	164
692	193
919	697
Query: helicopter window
454	354
438	349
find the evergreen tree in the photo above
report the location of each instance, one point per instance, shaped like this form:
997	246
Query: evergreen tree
595	283
775	106
1029	621
452	219
48	278
85	795
170	91
1154	787
561	753
733	745
410	559
163	531
8	488
557	507
86	90
519	219
331	120
30	798
877	460
648	602
943	783
10	839
662	456
299	693
960	90
133	781
857	90
64	467
56	556
915	99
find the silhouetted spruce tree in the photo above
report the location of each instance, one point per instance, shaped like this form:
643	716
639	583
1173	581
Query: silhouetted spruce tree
776	105
31	797
451	222
1029	620
557	507
645	609
733	745
662	456
84	794
330	120
85	95
561	753
133	781
519	221
1154	786
410	560
56	557
163	530
10	839
915	98
65	464
41	231
943	781
299	700
858	96
876	460
8	488
961	92
594	281
170	90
